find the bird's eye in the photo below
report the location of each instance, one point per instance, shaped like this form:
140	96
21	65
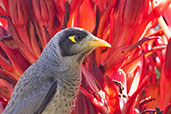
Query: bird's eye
78	38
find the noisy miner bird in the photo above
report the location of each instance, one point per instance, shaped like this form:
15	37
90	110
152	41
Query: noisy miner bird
51	84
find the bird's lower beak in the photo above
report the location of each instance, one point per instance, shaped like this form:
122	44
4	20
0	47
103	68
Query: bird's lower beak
97	42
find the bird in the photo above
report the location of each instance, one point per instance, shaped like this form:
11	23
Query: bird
51	84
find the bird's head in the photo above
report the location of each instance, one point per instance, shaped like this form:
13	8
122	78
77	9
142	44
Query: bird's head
75	43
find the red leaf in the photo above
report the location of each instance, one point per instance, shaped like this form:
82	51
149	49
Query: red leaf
159	6
20	44
153	91
112	96
4	8
128	106
3	23
167	15
92	82
167	109
105	17
74	6
118	55
144	102
165	88
101	107
87	17
6	89
167	66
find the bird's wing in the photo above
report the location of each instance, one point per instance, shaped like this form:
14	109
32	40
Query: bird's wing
48	97
34	99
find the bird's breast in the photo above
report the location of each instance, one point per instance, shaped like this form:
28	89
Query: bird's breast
64	98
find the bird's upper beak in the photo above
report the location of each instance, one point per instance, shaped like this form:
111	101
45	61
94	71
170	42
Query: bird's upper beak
97	42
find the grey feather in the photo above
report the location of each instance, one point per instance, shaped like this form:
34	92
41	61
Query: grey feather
30	91
48	97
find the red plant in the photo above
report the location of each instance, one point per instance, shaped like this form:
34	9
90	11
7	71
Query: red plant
133	77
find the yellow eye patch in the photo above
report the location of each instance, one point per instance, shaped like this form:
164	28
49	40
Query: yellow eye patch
72	38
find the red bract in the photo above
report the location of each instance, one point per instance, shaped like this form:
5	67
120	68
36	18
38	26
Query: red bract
111	96
133	77
167	15
165	82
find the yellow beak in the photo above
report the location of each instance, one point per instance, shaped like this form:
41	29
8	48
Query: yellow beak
97	42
